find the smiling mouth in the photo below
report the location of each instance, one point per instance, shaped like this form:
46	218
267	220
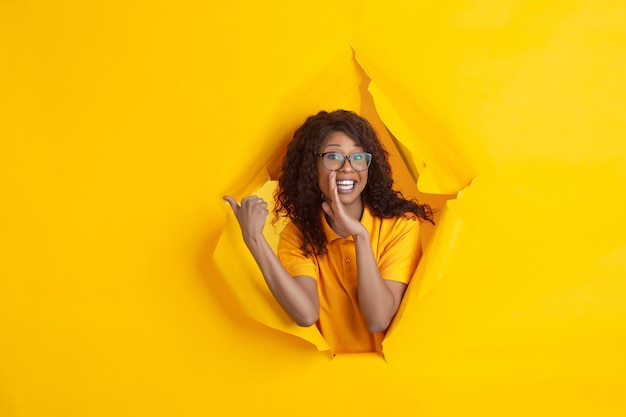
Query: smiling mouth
345	185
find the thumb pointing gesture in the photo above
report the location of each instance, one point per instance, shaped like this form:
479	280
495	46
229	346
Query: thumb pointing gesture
251	215
232	203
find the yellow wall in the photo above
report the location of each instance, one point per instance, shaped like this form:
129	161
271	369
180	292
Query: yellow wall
123	123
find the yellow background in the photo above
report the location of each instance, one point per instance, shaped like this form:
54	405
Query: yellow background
122	124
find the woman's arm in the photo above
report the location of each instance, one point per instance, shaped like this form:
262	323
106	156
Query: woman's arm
378	299
297	295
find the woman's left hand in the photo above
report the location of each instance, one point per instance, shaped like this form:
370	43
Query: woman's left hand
342	221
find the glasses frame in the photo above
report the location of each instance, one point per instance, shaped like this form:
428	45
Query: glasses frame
368	158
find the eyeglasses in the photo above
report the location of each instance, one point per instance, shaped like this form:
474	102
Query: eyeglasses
334	161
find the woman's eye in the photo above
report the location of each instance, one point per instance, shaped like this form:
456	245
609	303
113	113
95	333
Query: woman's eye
357	157
335	156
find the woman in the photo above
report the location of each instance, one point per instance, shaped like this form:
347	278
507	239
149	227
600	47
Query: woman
351	244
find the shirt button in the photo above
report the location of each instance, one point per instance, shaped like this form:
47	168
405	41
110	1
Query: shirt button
348	260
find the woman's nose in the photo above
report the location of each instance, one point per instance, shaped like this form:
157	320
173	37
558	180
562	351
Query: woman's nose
347	166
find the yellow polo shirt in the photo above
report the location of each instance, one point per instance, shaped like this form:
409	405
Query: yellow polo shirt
396	246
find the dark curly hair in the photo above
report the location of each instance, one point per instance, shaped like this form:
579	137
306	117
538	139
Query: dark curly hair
298	196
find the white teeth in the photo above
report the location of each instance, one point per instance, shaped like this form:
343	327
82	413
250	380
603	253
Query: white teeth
345	184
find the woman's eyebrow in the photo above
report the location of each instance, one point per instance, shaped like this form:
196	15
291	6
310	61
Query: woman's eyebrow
330	144
338	145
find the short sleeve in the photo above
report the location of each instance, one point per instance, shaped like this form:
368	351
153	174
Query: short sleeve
291	256
401	251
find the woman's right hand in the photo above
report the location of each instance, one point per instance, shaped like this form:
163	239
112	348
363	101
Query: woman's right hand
342	221
251	215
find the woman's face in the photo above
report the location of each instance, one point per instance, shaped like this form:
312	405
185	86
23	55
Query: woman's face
350	183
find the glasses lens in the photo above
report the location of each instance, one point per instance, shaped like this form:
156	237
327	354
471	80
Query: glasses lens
360	161
333	161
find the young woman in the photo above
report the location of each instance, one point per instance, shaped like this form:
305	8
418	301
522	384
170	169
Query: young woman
351	244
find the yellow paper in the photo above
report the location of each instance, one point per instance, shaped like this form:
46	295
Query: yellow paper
122	125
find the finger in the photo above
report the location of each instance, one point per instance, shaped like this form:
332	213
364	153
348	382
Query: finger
336	202
262	203
258	200
232	202
332	185
253	199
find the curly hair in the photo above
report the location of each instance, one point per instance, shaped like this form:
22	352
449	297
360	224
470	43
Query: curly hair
298	193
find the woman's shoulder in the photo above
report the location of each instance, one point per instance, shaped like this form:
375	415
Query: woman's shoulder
290	230
391	219
398	224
